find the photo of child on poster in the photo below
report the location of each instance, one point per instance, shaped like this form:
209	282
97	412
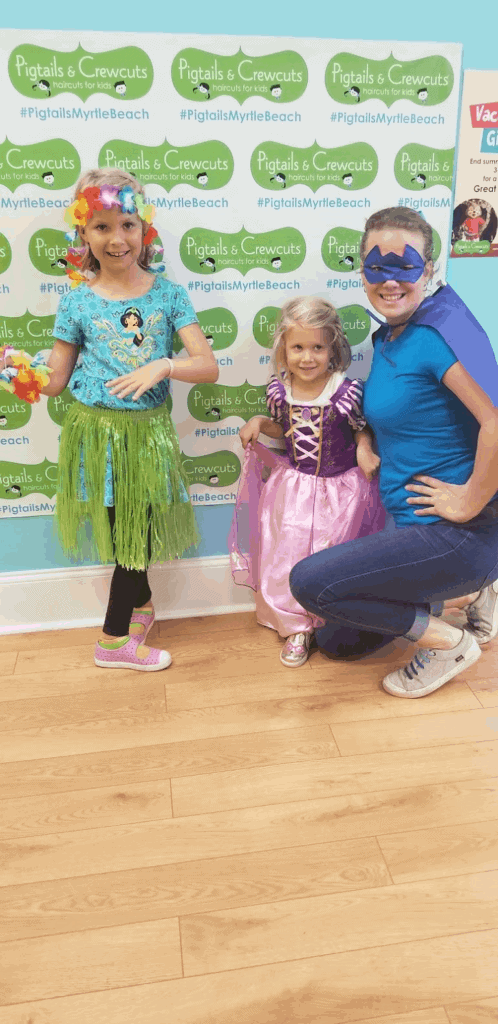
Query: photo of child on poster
474	221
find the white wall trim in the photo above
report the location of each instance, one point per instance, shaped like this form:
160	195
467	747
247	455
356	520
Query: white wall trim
72	597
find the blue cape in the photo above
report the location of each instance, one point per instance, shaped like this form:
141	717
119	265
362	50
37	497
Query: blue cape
446	312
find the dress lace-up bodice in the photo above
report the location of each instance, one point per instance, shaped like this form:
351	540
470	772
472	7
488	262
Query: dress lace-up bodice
319	434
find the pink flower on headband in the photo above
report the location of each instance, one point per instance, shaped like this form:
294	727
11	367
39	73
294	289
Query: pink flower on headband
109	196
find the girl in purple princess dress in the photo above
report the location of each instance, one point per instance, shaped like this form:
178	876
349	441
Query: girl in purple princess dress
322	491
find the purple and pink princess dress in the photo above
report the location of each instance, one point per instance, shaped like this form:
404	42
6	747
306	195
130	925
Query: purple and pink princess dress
312	497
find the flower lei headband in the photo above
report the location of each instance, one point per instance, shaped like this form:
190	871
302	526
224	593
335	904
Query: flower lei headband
94	199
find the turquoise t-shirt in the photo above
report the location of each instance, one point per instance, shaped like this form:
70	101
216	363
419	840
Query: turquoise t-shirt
116	336
421	427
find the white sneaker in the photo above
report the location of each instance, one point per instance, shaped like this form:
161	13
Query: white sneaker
429	670
482	615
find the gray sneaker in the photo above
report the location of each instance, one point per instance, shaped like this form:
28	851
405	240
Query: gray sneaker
428	670
482	615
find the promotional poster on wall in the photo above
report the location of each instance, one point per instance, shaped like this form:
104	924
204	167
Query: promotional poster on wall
475	223
263	156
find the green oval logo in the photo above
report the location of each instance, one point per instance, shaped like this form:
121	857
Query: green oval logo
418	168
58	406
356	323
341	250
218	325
48	251
264	325
217	470
29	331
206	252
18	481
14	412
436	245
205	166
210	403
5	254
276	167
124	74
352	79
53	164
466	247
202	76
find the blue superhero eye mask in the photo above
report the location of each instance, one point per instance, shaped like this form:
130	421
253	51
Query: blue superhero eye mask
391	267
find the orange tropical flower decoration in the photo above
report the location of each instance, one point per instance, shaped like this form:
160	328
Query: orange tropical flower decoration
20	378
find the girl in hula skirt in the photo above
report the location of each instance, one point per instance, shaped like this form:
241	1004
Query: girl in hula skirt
119	458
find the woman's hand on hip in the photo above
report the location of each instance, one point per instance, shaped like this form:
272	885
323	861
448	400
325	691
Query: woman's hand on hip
450	501
139	381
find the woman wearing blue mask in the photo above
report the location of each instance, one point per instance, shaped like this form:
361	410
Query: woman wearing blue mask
430	401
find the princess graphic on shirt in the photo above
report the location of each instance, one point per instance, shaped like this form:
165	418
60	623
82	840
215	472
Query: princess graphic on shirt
145	333
132	320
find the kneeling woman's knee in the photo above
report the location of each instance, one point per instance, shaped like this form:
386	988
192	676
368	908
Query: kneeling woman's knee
301	581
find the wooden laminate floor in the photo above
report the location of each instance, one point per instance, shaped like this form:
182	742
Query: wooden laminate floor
233	842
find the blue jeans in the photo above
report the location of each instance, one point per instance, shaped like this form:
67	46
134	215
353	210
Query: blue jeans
375	588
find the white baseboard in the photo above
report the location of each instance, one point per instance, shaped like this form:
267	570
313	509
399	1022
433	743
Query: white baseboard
68	598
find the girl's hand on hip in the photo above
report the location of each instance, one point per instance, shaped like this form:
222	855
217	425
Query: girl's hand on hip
139	381
450	501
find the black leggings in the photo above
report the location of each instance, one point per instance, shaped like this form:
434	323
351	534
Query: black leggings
129	589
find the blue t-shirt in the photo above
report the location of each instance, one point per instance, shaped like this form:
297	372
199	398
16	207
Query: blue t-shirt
421	427
116	336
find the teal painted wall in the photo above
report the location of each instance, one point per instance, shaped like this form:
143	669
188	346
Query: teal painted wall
31	543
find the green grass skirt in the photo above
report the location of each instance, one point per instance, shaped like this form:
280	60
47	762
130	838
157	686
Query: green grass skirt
150	485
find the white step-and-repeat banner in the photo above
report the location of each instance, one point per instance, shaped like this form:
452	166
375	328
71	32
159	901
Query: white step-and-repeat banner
264	157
